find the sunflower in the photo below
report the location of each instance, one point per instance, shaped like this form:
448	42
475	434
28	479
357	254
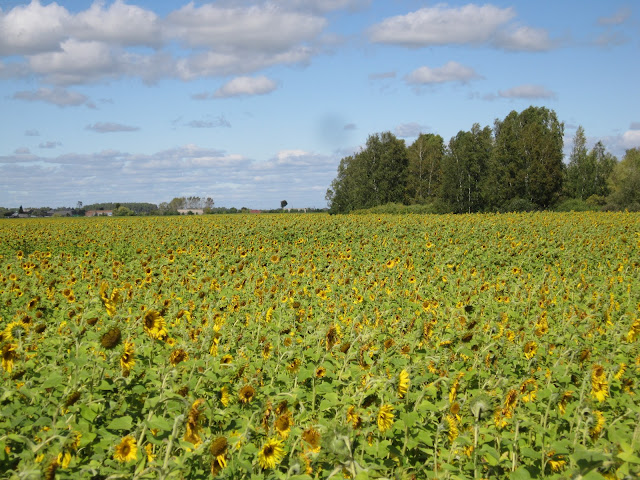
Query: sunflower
271	453
353	418
283	425
385	417
321	372
530	350
177	356
403	383
224	396
154	324
594	432
312	437
218	451
599	384
126	450
562	404
246	394
8	356
452	427
192	434
111	339
127	361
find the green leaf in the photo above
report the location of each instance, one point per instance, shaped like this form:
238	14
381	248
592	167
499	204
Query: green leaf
53	380
159	423
121	423
629	457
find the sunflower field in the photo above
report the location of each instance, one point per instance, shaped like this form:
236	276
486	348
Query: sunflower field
315	346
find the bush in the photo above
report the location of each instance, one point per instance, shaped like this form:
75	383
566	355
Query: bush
576	205
518	205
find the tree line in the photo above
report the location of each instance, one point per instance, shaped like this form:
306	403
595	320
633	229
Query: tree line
517	165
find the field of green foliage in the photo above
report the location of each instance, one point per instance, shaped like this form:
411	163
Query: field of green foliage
313	346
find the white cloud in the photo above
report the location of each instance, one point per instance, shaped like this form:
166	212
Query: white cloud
111	40
631	138
449	72
110	127
33	28
440	25
119	23
409	130
524	39
634	126
22	151
231	179
325	5
32	133
619	17
57	96
527	91
467	25
241	86
258	28
77	62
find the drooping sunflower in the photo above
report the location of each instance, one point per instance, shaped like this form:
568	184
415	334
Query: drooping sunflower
312	437
126	450
385	417
246	394
154	324
271	454
283	424
218	451
127	360
530	350
111	339
192	434
9	356
403	383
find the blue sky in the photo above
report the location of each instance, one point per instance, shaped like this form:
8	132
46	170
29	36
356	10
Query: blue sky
253	102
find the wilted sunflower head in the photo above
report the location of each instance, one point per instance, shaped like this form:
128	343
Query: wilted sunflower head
312	437
111	339
283	425
246	394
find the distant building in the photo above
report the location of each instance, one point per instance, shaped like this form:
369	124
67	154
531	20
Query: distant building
98	213
255	211
194	211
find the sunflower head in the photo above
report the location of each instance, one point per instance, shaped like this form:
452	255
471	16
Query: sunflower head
111	339
271	454
246	394
126	450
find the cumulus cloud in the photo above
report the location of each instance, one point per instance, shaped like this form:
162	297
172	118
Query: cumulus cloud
111	40
528	92
22	151
242	86
57	96
110	127
408	130
467	25
449	72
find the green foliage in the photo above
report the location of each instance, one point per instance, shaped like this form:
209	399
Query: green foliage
423	174
374	176
575	205
527	158
625	182
464	170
